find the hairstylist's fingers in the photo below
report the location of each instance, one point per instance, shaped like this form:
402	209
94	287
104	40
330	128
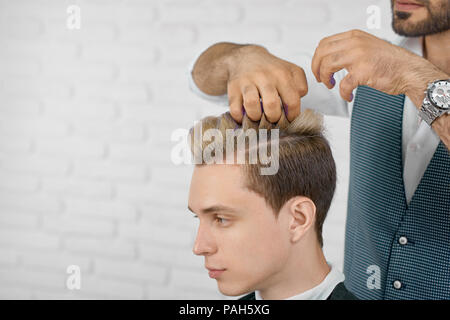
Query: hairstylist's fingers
346	87
291	99
300	82
323	49
235	101
270	101
237	111
332	63
251	101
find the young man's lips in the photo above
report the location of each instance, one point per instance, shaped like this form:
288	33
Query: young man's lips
214	273
406	6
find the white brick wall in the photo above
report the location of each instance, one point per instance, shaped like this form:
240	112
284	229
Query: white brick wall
85	123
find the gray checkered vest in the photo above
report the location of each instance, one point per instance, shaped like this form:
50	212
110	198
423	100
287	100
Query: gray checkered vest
378	214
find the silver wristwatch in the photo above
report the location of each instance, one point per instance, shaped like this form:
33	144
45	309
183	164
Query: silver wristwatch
436	101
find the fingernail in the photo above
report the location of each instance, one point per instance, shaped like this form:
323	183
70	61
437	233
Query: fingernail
351	96
285	108
332	81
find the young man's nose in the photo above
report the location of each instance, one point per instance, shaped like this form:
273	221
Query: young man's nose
204	243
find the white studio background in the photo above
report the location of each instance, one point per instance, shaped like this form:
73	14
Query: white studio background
86	117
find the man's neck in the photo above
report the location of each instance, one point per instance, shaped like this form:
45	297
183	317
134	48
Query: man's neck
436	48
307	272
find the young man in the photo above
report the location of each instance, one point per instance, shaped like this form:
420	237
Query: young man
262	233
397	226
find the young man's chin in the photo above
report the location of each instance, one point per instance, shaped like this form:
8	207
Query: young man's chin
232	290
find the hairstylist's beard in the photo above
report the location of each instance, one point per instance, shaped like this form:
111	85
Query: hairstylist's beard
438	20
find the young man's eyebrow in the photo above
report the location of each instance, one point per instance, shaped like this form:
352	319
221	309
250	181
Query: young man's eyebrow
217	209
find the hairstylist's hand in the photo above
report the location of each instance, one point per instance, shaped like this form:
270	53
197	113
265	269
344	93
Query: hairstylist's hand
255	73
373	62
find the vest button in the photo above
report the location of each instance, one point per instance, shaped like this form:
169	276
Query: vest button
403	240
397	284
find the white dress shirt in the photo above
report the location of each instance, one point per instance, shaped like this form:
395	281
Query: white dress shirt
320	292
419	141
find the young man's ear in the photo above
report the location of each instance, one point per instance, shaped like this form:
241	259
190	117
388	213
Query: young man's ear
302	216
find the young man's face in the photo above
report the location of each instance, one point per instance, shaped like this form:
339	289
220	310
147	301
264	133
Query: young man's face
238	231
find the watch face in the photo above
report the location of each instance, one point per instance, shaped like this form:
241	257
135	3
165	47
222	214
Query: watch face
439	94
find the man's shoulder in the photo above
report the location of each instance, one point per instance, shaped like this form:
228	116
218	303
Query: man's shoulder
340	292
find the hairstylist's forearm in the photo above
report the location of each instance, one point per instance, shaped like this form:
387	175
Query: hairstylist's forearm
211	70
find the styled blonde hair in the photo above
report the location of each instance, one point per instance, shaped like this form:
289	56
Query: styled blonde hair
308	123
306	165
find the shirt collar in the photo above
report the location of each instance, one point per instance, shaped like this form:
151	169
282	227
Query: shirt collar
320	292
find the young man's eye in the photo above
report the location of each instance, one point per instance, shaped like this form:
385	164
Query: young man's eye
218	219
221	220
